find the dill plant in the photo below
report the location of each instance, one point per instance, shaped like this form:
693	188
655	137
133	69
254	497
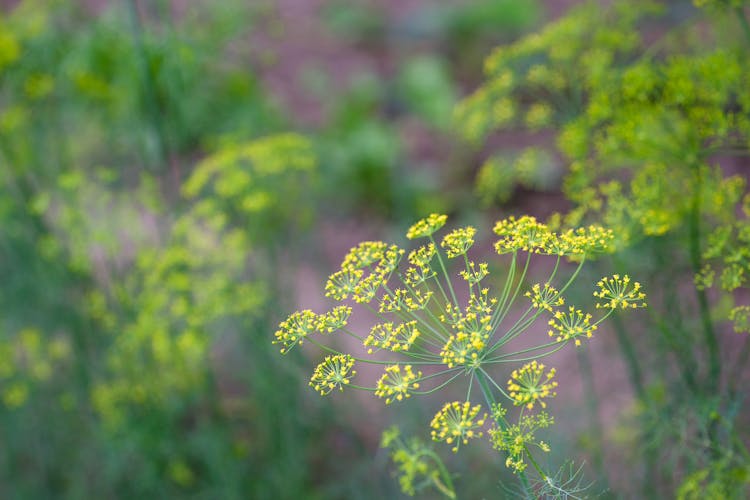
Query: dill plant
645	130
428	338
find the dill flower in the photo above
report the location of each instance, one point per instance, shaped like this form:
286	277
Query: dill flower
455	423
418	275
458	241
545	297
343	283
422	256
385	336
474	276
404	300
427	226
740	316
529	385
334	371
516	438
616	292
364	255
395	384
367	288
571	325
524	233
334	319
295	328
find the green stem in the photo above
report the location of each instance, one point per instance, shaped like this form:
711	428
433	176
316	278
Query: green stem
695	260
445	272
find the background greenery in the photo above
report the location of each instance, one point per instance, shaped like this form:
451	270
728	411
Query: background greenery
172	174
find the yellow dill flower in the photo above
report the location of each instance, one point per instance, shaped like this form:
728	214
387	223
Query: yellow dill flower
616	292
455	423
588	240
367	288
295	328
343	283
395	384
571	325
334	319
474	276
385	336
529	385
465	346
458	241
417	275
364	255
524	233
427	226
404	300
334	371
389	262
545	297
422	256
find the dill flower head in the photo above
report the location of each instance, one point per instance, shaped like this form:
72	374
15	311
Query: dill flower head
427	226
385	336
422	256
396	384
295	328
545	297
334	319
529	385
457	423
458	241
571	325
334	371
616	292
404	300
364	255
474	275
524	233
343	283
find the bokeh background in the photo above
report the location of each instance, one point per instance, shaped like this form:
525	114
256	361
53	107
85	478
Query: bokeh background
178	176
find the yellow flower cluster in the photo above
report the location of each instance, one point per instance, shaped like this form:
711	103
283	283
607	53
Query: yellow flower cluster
300	324
458	241
571	325
395	384
529	235
545	297
334	371
529	385
474	276
295	328
385	336
472	332
455	423
427	226
616	292
404	300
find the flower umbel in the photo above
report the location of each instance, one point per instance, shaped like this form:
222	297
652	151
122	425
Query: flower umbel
571	325
529	385
458	241
295	328
545	297
455	423
395	384
616	292
334	371
427	226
